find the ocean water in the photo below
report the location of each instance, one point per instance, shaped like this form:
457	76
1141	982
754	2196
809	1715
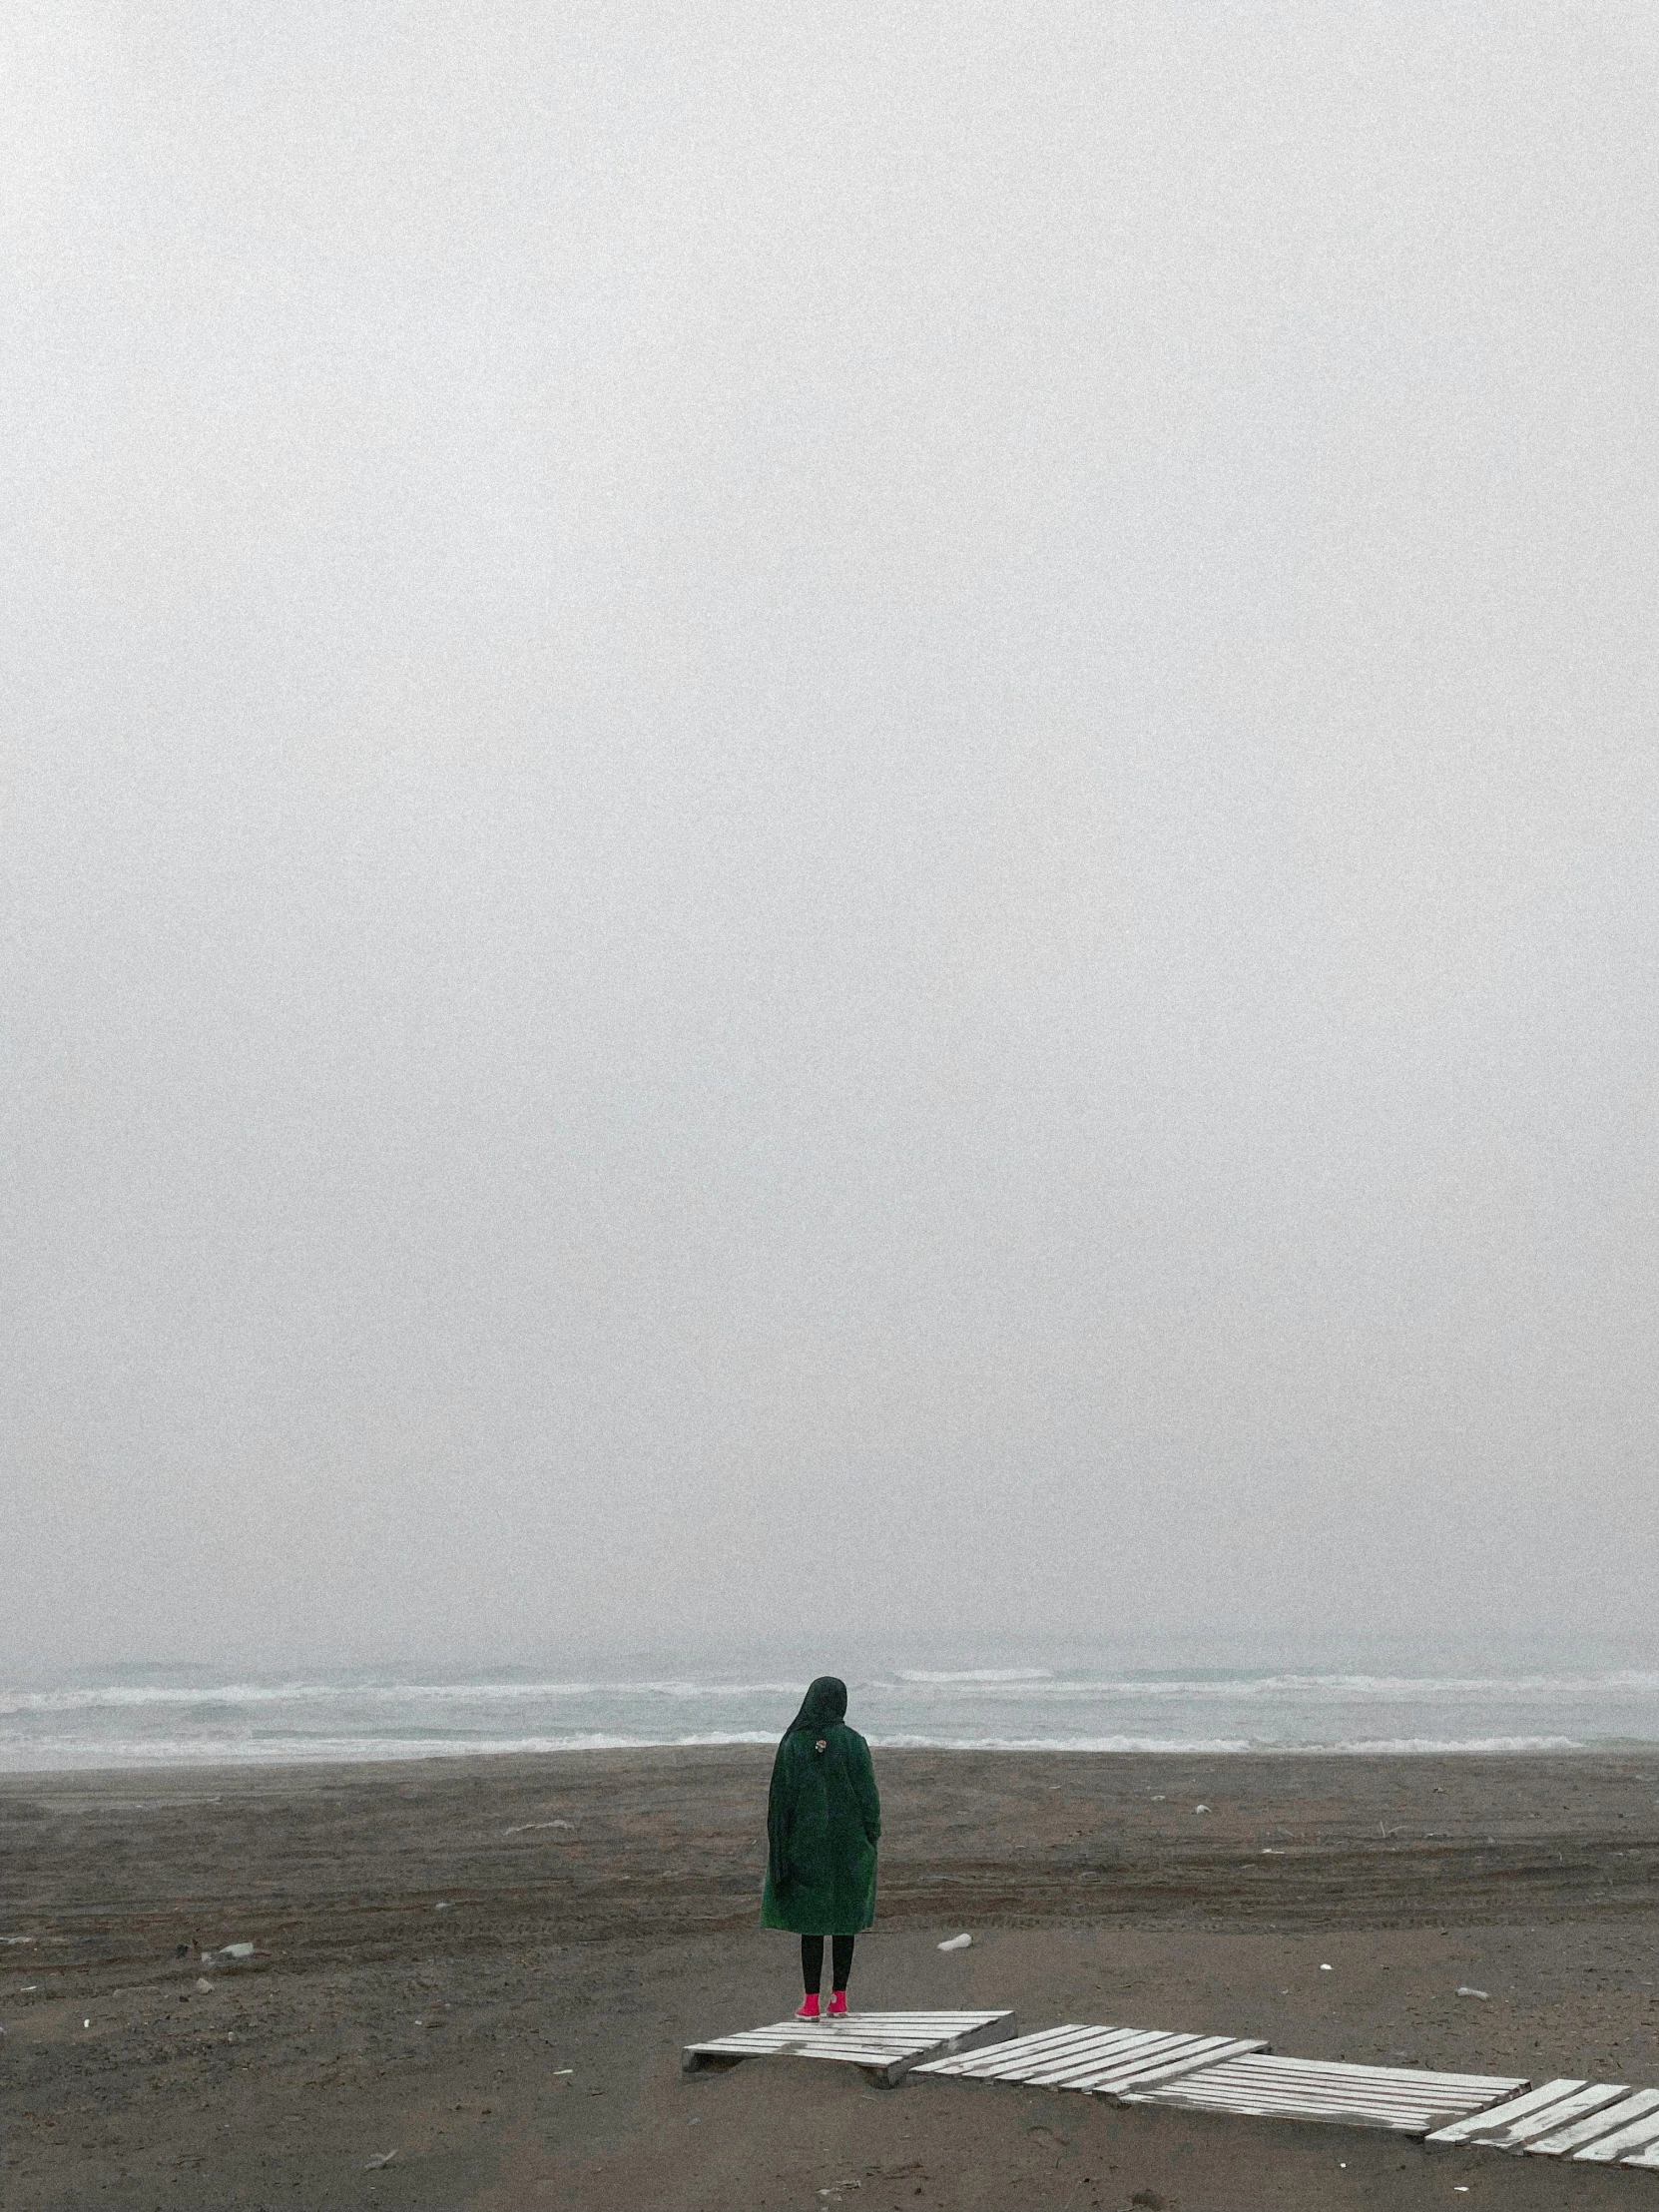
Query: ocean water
155	1716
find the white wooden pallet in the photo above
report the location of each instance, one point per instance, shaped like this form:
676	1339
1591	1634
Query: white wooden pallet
1602	2123
1103	2061
1403	2099
885	2045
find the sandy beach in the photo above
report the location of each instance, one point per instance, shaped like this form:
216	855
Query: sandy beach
520	2046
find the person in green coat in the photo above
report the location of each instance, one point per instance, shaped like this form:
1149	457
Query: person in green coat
824	1821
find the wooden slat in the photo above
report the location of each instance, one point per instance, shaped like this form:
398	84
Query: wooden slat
1097	2061
977	2064
1532	2114
1561	2140
1126	2064
989	2028
1339	2072
1137	2065
1315	2096
1589	2098
1103	2047
1056	2051
993	2064
1210	2051
886	2044
1353	2109
890	2027
1631	2134
1402	2098
851	2055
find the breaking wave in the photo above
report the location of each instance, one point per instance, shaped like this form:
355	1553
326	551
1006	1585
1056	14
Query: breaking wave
186	1717
980	1674
114	1696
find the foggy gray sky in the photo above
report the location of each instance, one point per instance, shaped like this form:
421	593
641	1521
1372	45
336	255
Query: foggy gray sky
806	784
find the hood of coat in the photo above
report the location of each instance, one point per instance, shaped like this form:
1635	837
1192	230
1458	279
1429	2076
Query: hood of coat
824	1705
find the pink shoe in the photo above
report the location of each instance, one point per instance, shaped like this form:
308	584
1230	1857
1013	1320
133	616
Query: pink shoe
808	2006
838	2005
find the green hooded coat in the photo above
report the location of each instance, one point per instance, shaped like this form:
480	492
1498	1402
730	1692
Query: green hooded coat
823	1819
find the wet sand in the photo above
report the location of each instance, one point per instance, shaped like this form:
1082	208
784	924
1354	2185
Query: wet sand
600	1913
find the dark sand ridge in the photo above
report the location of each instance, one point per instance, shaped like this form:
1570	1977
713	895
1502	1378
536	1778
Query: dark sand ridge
1094	1890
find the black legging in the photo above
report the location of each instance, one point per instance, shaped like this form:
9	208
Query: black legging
812	1961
